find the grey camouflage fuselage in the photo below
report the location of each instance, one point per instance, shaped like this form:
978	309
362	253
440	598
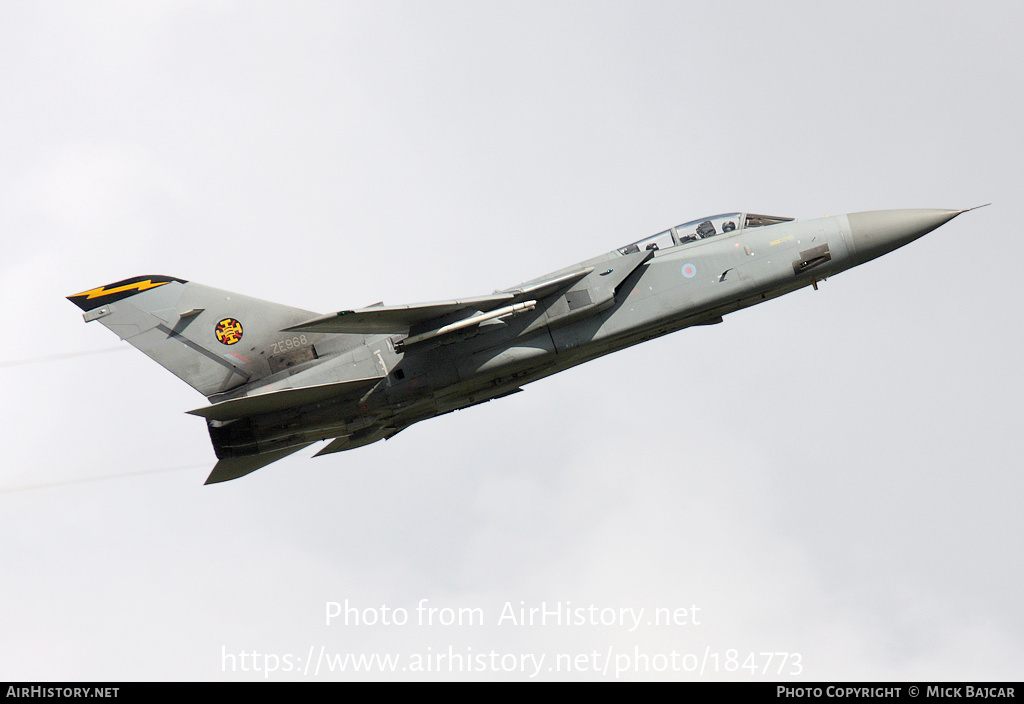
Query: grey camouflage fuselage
280	378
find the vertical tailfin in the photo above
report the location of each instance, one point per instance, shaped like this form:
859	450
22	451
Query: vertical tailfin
212	340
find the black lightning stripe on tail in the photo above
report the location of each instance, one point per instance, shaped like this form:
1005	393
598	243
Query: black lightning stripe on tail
94	298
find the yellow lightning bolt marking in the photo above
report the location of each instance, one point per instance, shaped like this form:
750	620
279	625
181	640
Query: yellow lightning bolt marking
104	291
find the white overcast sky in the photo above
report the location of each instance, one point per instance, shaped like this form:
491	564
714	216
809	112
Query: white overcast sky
835	474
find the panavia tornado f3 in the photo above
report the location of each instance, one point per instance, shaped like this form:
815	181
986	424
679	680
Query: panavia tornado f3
279	379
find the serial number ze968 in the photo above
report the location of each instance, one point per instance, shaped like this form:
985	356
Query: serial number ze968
287	344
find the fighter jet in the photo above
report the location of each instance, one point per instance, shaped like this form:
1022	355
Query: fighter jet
279	379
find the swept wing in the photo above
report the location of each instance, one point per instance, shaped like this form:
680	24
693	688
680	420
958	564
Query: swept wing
421	317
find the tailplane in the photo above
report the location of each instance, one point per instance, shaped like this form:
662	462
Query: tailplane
235	467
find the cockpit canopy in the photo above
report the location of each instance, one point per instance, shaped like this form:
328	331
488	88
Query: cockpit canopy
726	224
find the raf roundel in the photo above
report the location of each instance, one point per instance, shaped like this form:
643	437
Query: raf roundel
689	271
228	331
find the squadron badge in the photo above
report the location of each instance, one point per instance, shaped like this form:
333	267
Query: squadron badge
228	331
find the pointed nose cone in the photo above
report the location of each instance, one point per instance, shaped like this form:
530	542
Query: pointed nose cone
878	232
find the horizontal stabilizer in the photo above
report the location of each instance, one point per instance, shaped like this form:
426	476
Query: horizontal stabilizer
280	400
236	467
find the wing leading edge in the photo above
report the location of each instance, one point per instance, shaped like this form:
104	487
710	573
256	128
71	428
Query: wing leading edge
426	317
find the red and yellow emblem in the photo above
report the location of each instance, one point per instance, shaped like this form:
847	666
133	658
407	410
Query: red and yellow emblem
228	331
